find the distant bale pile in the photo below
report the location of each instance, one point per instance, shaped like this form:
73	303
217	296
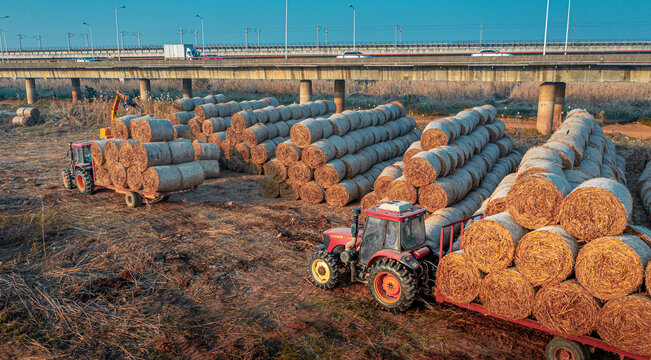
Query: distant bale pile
26	116
188	104
644	187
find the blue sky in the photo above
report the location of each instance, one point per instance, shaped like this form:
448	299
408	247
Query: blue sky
159	21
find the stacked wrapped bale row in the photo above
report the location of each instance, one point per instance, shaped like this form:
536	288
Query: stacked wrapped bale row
561	251
188	104
644	187
26	116
251	140
150	159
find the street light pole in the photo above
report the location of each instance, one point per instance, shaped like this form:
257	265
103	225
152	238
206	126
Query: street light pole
286	29
354	20
546	20
3	44
203	39
567	29
117	32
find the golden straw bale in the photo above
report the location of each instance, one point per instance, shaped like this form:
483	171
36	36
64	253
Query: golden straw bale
598	207
331	173
535	201
371	199
312	192
342	193
97	149
457	278
102	175
422	169
288	153
387	176
567	308
640	232
401	189
300	172
276	170
497	202
507	293
613	266
268	187
546	255
490	243
625	323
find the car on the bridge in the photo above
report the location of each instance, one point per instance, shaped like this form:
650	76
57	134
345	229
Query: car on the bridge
353	55
211	57
491	52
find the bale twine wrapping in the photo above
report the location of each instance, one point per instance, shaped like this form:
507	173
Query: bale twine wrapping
153	130
312	192
162	178
112	150
288	153
191	174
318	153
204	151
422	169
125	152
546	255
625	323
300	172
341	193
31	112
598	207
507	293
457	278
118	174
567	308
612	266
97	151
276	170
181	151
490	243
331	173
145	155
387	176
268	187
535	201
134	178
401	189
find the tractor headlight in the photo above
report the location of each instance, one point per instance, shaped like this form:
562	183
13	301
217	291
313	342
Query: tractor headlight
348	256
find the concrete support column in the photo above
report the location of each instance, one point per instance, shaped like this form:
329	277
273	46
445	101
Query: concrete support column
305	91
340	95
545	116
145	89
76	89
187	88
559	101
30	90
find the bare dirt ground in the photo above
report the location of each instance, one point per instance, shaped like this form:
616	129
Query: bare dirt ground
215	274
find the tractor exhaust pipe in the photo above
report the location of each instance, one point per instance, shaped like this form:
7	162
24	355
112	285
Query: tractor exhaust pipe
355	227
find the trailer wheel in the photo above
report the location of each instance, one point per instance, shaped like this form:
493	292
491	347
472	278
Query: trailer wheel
564	349
132	199
66	179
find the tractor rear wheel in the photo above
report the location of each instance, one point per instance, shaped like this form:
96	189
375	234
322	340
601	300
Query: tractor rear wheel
132	199
66	179
323	269
84	181
392	286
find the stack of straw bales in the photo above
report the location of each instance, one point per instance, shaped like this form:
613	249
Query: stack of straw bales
558	247
188	104
144	155
337	158
644	187
26	116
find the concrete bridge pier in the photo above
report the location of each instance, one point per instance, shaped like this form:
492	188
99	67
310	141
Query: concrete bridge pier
545	117
305	91
145	89
30	90
76	89
559	101
187	88
340	95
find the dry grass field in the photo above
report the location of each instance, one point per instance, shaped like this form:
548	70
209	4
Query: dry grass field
214	274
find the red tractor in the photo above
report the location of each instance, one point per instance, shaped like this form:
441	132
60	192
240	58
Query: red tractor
392	255
80	173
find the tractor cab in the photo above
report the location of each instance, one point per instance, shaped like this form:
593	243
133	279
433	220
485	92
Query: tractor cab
391	255
80	173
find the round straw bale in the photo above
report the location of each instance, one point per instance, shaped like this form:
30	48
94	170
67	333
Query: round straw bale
422	169
276	170
598	207
191	174
542	153
340	124
183	104
97	149
206	111
591	168
318	153
339	144
564	151
255	134
546	255
389	174
567	308
263	152
341	194
200	137
439	194
244	151
535	200
290	190
285	113
268	187
640	232
312	192
297	112
112	150
233	107
181	151
204	151
371	199
507	293
242	120
490	243
300	172
353	165
353	119
306	132
272	114
120	126
625	323
402	111
261	116
288	153
102	175
145	155
331	173
364	184
401	189
612	266
539	166
210	168
180	130
125	152
213	125
457	278
162	178
118	174
505	144
134	178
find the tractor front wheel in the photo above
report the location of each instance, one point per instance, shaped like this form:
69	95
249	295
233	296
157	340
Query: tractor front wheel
323	269
392	286
66	179
84	181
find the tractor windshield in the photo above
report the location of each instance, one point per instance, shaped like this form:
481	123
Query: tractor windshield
414	233
373	238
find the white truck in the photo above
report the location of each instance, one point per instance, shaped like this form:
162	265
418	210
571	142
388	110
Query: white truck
180	51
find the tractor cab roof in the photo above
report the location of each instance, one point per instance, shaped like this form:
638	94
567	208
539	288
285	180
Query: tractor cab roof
82	143
395	211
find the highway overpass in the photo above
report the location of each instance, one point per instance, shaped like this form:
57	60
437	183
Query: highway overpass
335	49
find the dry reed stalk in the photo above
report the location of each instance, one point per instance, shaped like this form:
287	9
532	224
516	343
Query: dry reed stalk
625	323
457	278
567	308
490	243
312	192
535	200
598	207
610	267
276	170
268	187
546	255
507	293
